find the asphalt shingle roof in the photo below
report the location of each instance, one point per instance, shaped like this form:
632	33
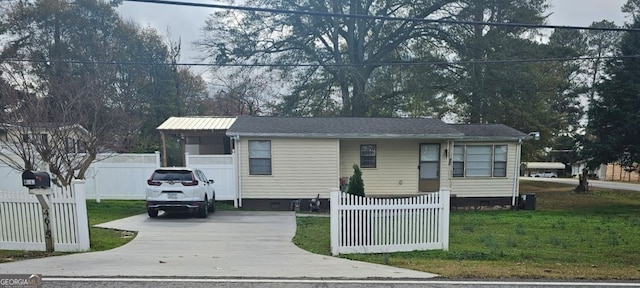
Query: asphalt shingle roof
493	131
343	127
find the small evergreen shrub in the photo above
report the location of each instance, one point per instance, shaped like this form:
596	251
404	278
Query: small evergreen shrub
356	185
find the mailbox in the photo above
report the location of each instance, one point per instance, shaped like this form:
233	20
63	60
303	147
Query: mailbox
36	180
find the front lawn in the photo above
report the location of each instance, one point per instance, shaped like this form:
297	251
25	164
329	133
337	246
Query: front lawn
109	210
568	236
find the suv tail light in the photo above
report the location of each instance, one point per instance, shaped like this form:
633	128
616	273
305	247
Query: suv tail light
190	183
153	183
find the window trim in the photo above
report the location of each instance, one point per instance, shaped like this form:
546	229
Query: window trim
251	170
493	161
372	158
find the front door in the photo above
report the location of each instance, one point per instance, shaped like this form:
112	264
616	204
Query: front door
429	168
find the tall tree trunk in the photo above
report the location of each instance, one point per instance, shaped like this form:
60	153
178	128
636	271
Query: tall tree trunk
583	186
477	53
358	105
346	98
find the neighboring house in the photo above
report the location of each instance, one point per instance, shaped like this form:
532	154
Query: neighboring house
280	159
45	134
597	173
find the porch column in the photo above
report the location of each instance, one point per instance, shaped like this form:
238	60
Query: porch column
163	138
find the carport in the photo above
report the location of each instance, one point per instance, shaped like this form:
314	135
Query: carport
197	135
533	167
203	145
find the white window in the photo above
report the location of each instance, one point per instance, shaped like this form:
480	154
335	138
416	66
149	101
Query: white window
259	157
458	161
480	161
500	161
429	161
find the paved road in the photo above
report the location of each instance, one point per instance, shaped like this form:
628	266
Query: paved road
315	283
593	183
232	244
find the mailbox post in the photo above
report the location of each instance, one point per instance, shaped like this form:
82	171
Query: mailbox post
39	184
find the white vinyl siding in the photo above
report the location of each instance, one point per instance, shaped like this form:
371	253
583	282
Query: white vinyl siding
396	172
486	186
300	169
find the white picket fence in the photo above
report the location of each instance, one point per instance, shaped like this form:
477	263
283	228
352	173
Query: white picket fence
22	224
371	225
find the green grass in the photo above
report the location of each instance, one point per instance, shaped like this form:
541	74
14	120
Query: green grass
569	236
108	210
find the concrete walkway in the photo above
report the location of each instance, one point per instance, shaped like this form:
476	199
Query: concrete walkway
227	244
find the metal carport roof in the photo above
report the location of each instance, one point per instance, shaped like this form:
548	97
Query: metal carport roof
206	123
544	165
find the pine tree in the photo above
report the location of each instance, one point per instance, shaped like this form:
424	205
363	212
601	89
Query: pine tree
356	185
612	132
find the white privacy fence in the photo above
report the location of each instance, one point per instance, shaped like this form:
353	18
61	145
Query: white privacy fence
220	168
22	223
371	225
121	176
124	176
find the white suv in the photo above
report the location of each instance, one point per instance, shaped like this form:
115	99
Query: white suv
545	174
180	189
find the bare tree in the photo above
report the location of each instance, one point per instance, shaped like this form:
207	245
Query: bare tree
243	92
36	136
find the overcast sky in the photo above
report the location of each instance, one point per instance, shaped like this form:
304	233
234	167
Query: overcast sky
186	22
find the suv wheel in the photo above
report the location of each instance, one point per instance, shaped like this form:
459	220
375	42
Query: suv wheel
153	213
212	207
203	211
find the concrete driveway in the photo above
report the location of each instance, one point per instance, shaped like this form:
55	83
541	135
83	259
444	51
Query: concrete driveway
227	244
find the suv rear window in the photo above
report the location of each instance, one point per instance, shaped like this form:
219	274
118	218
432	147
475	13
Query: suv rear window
172	175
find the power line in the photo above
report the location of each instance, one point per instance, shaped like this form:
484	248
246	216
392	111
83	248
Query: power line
388	18
380	64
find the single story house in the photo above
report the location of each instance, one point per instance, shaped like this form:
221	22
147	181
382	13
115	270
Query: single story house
281	159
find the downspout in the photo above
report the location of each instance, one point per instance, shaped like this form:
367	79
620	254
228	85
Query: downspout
238	202
450	145
516	173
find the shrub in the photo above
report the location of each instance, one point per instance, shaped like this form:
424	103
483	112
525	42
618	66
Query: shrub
356	185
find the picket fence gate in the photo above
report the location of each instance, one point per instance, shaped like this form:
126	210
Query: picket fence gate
377	225
22	224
